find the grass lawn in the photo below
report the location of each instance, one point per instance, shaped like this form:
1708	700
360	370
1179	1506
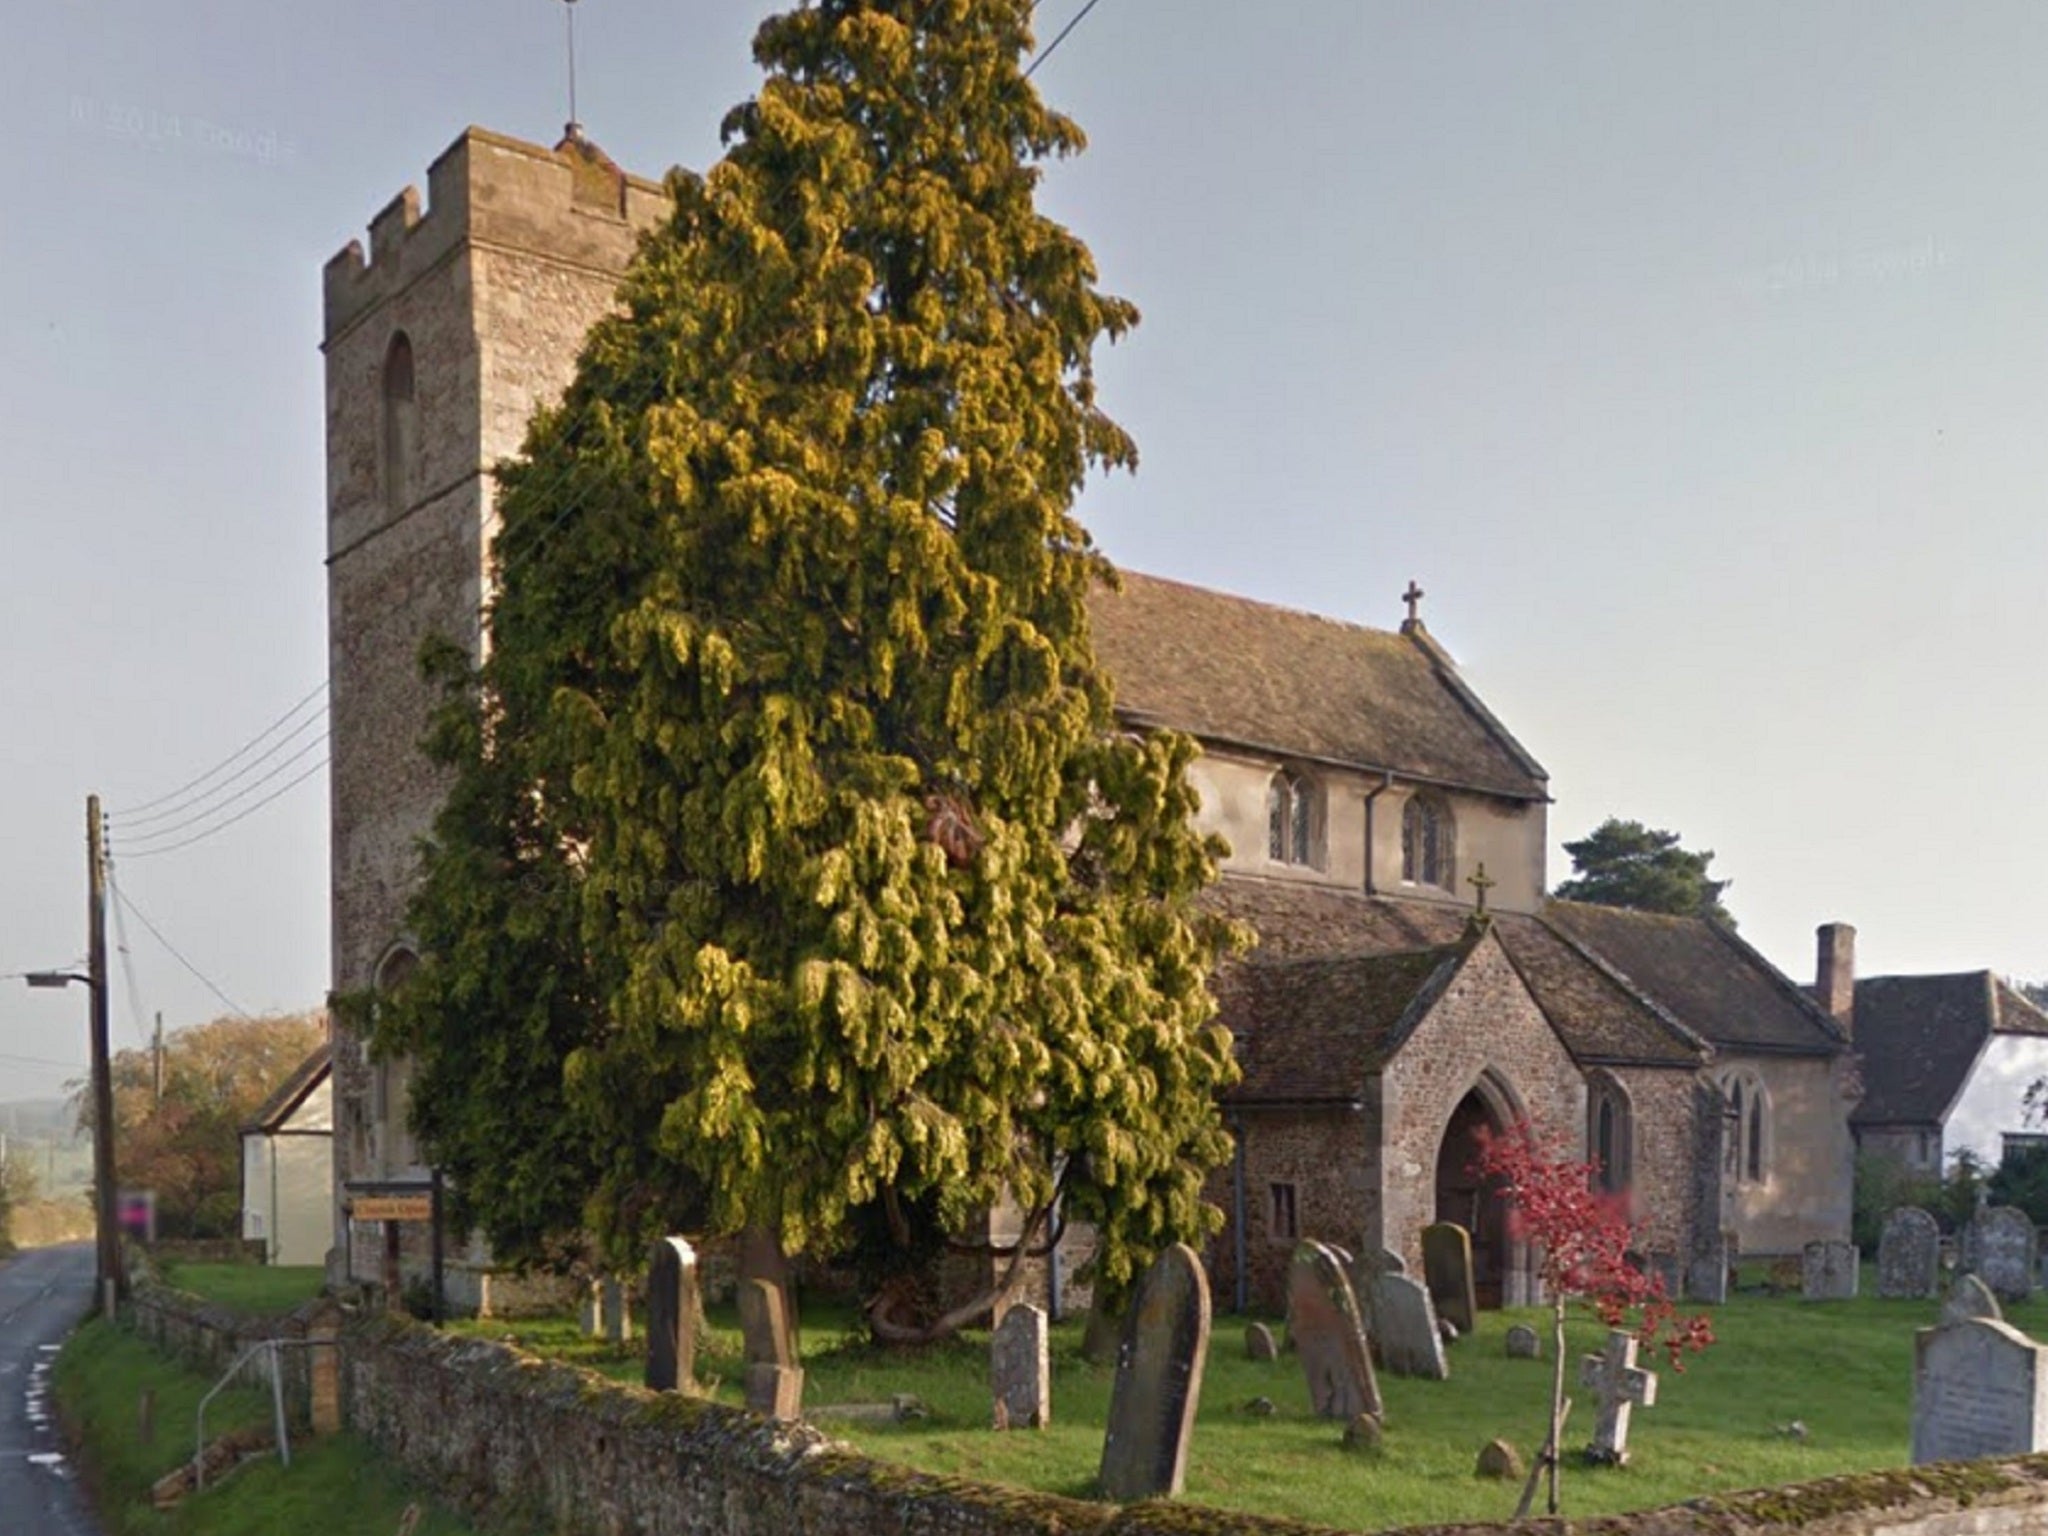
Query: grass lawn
332	1486
1843	1369
257	1289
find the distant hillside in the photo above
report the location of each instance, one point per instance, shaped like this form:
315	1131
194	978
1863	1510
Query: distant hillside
41	1118
43	1133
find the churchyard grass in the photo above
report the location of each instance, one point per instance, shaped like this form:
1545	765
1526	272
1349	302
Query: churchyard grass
1843	1370
332	1487
261	1290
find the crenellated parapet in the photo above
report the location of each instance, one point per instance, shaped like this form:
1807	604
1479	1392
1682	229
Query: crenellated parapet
569	204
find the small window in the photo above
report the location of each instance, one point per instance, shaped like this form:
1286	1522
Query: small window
1427	842
1292	819
1609	1134
401	425
1283	1225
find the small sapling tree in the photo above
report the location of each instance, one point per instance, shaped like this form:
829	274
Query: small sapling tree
1582	1236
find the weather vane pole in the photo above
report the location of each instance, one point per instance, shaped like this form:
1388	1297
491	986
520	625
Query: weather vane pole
574	129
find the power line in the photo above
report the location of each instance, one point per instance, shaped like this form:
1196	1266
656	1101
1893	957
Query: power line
121	898
1047	51
241	794
188	803
232	757
200	837
43	1061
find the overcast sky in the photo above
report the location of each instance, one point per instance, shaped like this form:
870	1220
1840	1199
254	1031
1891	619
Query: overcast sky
1694	359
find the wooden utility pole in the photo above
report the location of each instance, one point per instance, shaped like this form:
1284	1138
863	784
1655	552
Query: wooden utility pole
156	1065
110	1286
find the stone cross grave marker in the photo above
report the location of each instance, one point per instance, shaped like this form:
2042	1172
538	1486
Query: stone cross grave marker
1970	1297
1909	1254
1999	1245
1020	1369
672	1310
1447	1267
1623	1387
1158	1380
1324	1322
1980	1388
1828	1271
775	1384
1409	1340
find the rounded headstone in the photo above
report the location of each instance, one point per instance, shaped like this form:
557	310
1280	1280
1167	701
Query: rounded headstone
1448	1329
1258	1343
1364	1435
1970	1297
1498	1458
1523	1344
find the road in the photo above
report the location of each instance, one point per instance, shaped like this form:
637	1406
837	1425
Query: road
43	1294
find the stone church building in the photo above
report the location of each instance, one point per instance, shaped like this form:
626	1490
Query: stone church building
1360	783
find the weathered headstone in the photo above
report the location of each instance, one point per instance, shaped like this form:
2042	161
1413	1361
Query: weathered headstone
1969	1297
1998	1244
672	1308
1258	1343
1408	1338
1909	1254
1498	1458
1365	1272
1828	1271
592	1309
1324	1321
618	1313
1103	1334
1706	1273
1447	1266
1158	1380
1662	1264
1623	1387
1980	1388
775	1384
1020	1369
1523	1343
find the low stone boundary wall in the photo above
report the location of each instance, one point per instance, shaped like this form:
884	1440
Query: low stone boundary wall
210	1338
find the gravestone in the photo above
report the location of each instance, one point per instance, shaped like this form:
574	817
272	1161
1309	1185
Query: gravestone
1323	1321
775	1384
1623	1387
1909	1255
1663	1265
1998	1245
1020	1369
1970	1298
672	1310
1828	1271
1980	1388
1706	1273
593	1310
1365	1272
1158	1380
1447	1267
1258	1343
1408	1338
1523	1343
618	1313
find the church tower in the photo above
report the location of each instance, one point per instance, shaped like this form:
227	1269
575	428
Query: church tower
464	317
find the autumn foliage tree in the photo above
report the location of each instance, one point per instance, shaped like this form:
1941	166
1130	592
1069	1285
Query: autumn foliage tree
1582	1236
796	878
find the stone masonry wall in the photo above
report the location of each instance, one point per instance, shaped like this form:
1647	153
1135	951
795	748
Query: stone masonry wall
1329	1158
1662	1196
1807	1191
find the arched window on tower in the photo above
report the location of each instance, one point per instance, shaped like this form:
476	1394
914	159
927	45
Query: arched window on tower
1610	1133
1428	842
1293	819
391	1078
401	425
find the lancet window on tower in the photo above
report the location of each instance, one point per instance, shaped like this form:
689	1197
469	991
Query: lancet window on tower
401	445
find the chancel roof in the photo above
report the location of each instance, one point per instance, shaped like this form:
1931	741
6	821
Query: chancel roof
1704	976
1919	1037
1292	684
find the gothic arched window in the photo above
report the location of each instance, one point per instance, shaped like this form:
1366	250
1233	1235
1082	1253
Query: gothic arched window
1746	1144
1293	822
1610	1134
401	425
1428	842
391	1076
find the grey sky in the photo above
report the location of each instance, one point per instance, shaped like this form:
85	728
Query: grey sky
1691	357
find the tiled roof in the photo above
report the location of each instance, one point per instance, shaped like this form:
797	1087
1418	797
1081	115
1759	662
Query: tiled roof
1704	976
1919	1036
304	1078
1229	670
1597	1015
1314	1030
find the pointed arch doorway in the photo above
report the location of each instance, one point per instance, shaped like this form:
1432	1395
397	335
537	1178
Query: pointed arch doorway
1463	1197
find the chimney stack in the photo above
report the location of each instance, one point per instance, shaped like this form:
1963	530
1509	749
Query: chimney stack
1834	983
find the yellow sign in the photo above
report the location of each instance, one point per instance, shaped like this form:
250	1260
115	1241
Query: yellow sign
392	1208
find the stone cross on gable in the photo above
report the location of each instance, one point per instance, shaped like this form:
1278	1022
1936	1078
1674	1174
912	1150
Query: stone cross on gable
1622	1386
1481	882
1413	598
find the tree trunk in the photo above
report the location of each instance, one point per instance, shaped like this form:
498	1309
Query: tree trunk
1556	1391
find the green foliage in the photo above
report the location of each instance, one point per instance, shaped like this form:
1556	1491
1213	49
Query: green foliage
1883	1183
795	865
261	1290
2021	1179
1626	864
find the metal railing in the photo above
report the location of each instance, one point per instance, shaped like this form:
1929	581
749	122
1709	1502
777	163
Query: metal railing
269	1347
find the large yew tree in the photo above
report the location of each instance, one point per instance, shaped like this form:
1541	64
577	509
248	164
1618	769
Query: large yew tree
796	876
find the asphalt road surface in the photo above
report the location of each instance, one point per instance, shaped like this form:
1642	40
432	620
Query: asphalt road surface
42	1296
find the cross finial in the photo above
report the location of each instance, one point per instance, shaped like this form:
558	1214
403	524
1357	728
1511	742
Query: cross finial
574	129
1482	882
1413	598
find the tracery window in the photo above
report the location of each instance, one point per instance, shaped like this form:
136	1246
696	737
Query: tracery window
1292	819
1746	1147
1428	842
1285	1224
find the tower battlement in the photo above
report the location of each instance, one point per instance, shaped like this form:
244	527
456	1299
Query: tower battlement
570	204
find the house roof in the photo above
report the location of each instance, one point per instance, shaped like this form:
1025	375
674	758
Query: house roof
1596	1013
1704	976
1920	1036
291	1093
1292	684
